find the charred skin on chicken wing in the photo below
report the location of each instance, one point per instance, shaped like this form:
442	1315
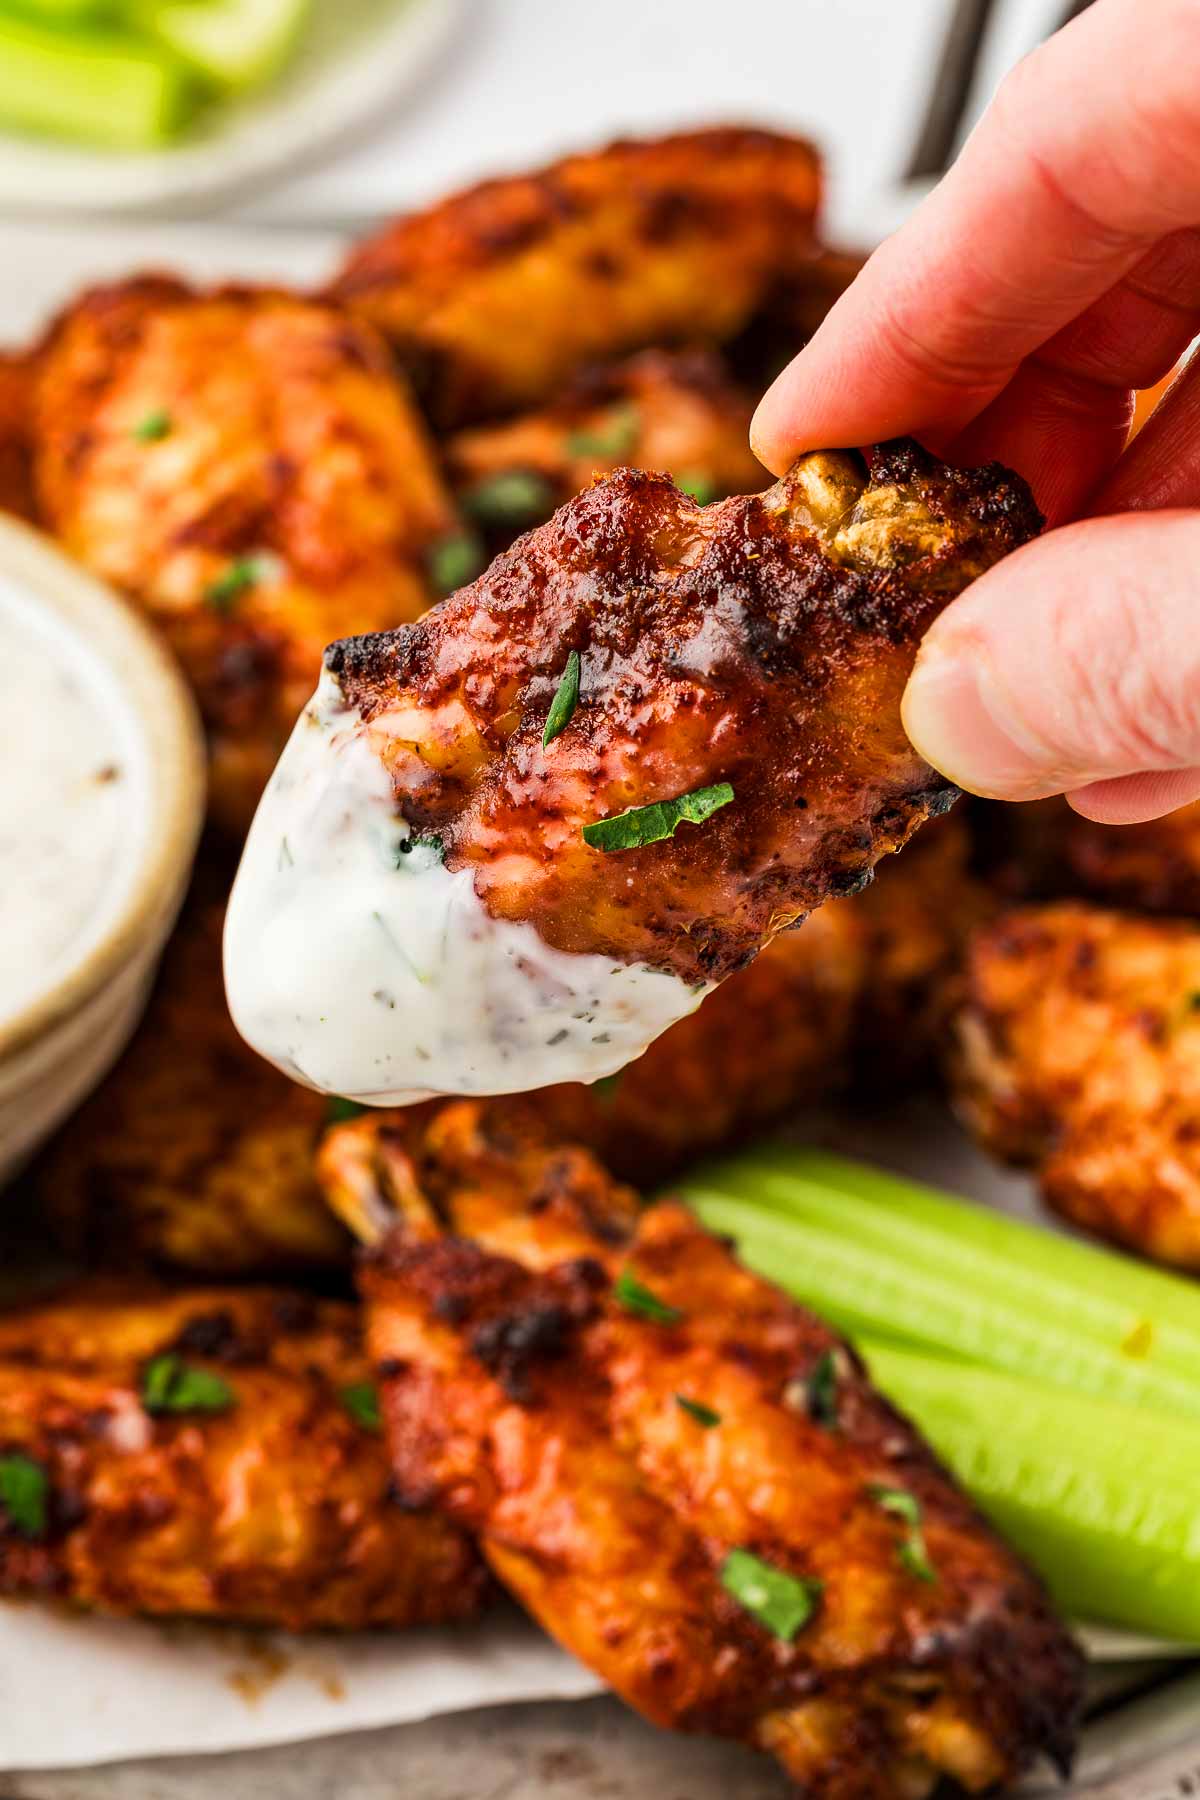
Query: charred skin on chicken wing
762	642
1078	1053
630	1422
211	1454
497	295
193	1153
249	469
16	450
673	410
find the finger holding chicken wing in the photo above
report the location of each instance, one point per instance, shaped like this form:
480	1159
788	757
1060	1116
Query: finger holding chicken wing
1078	1053
511	843
684	1477
213	1454
248	468
494	297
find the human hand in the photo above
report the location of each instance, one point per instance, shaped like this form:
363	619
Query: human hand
1054	270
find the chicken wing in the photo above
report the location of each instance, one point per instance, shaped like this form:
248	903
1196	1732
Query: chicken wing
1078	1053
215	1454
684	1477
247	467
16	454
637	664
193	1153
1152	867
496	296
673	410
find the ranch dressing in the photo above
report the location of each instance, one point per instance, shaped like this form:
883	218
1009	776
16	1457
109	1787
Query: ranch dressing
360	965
70	789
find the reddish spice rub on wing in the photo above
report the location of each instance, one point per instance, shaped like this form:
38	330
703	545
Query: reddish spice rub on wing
685	1477
762	642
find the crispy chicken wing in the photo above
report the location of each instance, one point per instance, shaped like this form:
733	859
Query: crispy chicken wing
763	641
637	664
16	453
193	1153
683	1476
248	468
213	1454
495	296
674	410
1078	1052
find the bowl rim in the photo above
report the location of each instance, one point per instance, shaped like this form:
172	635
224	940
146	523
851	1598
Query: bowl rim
164	713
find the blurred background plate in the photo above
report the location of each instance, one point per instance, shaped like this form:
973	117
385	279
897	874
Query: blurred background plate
356	57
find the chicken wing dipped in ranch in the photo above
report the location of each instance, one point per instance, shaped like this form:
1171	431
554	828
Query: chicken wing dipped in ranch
511	843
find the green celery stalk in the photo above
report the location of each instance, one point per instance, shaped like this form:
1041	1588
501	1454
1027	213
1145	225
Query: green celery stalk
886	1287
1123	1309
234	44
60	12
1100	1498
102	87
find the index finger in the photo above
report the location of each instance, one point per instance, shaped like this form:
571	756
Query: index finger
1089	154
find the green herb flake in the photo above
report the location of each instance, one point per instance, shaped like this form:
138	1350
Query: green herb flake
696	1409
170	1385
821	1391
338	1110
611	440
608	1086
783	1603
361	1401
630	1293
911	1554
651	824
427	840
512	497
23	1493
700	486
454	562
153	428
566	699
242	574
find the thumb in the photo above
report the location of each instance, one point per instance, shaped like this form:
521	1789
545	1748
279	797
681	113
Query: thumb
1072	667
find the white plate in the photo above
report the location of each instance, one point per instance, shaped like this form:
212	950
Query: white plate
357	55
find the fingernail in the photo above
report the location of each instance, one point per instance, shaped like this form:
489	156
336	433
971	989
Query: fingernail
958	720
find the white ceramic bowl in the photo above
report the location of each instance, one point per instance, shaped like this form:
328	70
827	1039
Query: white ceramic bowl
68	1029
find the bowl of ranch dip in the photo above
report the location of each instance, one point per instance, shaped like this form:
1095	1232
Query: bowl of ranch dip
101	801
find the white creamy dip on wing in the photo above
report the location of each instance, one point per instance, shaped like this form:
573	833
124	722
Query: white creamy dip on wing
361	965
71	791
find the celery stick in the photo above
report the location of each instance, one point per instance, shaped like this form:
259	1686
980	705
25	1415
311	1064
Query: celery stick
886	1289
235	44
104	87
1102	1499
1118	1304
60	12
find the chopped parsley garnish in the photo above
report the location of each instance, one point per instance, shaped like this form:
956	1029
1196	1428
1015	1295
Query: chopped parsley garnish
23	1488
338	1110
629	1292
651	824
783	1603
362	1403
170	1385
608	1085
610	441
821	1391
696	1409
427	840
911	1554
454	562
566	699
513	497
153	427
700	486
242	574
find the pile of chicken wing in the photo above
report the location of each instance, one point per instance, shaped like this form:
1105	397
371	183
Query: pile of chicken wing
527	1382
